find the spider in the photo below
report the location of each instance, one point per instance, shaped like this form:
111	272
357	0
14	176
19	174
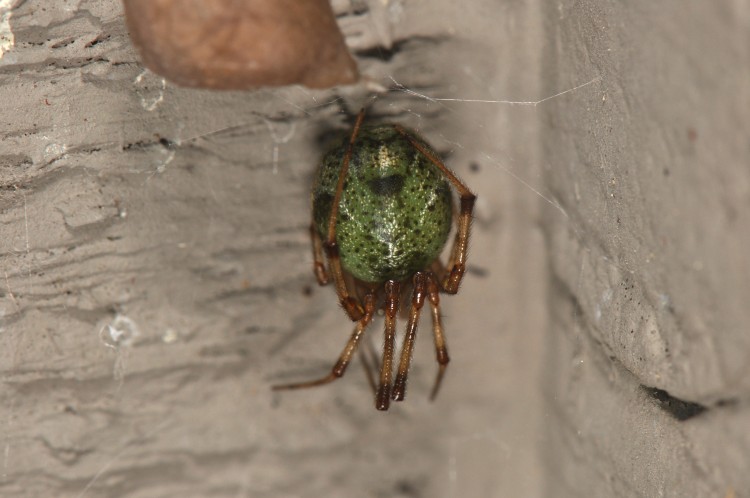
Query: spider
382	212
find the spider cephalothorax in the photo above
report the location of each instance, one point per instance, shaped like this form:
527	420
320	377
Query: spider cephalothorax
382	212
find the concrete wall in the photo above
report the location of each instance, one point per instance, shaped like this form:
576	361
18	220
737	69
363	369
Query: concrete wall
157	277
648	376
156	273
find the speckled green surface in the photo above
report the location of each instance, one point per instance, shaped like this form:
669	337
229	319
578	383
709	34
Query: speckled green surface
396	207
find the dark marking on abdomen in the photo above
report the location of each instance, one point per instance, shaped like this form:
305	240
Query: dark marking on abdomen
387	186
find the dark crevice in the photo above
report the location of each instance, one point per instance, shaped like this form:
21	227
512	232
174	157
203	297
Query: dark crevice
355	9
99	39
385	54
75	63
63	43
381	53
146	143
728	402
677	408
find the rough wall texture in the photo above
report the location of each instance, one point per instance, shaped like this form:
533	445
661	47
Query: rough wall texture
648	379
156	276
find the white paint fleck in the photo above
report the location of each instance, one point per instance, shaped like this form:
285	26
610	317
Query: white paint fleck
665	301
54	150
119	335
121	331
278	140
170	335
150	88
7	40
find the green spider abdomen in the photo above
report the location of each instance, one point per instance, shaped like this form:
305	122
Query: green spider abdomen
396	207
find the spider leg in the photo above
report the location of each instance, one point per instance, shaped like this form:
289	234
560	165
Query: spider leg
392	296
319	267
350	303
346	355
417	300
441	350
457	264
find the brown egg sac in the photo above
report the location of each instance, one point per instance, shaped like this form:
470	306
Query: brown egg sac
238	45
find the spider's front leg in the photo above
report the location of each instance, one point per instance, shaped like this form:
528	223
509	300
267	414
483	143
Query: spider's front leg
345	357
319	267
457	264
460	249
350	303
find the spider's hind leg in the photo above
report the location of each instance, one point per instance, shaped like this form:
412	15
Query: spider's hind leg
441	349
345	358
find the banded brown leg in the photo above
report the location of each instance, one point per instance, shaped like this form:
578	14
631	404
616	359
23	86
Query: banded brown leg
350	303
319	267
441	349
392	295
417	300
345	358
460	249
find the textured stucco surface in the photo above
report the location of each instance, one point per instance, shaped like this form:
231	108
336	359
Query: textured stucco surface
649	250
156	273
